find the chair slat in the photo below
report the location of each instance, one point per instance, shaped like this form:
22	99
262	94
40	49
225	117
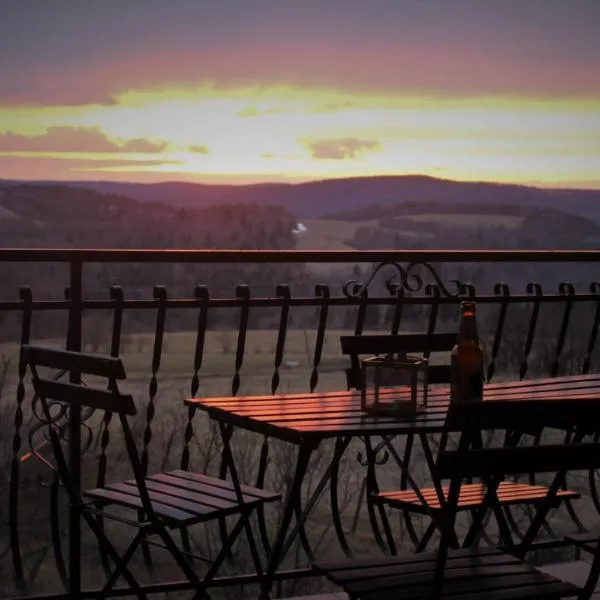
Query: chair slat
103	366
210	487
526	415
472	495
402	342
84	396
527	459
110	496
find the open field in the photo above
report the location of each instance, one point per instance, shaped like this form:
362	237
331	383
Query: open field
218	365
468	220
331	234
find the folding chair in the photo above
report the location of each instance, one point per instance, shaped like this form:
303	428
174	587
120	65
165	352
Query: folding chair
488	572
356	346
161	502
511	493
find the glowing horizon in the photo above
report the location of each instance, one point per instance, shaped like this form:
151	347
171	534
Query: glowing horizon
274	107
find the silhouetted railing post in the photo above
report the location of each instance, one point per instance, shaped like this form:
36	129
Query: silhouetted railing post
74	344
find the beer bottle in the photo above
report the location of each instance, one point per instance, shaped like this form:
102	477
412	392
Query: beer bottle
466	366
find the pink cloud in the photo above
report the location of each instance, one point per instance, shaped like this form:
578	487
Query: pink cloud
333	60
46	168
341	148
74	139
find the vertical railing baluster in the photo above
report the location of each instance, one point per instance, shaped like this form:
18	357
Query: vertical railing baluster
74	344
359	325
361	313
160	295
564	289
26	298
434	310
398	312
242	292
534	289
594	289
502	290
467	289
202	296
116	295
282	292
321	291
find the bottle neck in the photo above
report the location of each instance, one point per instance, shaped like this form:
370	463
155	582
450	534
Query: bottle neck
468	326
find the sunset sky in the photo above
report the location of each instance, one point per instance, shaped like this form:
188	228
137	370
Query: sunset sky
270	90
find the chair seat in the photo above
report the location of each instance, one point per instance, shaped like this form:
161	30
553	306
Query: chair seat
181	497
471	496
480	573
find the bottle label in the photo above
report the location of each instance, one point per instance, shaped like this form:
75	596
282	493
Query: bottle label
466	373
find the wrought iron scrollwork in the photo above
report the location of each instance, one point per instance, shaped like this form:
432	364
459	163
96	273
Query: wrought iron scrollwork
409	280
38	437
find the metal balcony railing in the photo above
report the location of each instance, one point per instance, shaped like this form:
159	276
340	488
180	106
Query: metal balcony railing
527	328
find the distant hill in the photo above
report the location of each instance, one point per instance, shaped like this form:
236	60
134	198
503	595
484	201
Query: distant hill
321	198
69	216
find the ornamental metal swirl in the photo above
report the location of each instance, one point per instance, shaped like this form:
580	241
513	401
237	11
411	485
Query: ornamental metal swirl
409	281
39	438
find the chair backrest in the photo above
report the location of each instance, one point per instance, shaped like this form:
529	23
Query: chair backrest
578	415
79	394
408	343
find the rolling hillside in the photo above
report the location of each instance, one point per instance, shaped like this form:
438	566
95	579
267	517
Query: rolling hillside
321	198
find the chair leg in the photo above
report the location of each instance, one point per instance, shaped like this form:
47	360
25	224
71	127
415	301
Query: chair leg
224	552
252	543
179	558
426	537
121	564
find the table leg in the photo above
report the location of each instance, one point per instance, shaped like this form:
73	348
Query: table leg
293	505
340	446
301	515
279	547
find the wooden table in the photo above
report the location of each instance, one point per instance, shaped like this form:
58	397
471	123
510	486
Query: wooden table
306	419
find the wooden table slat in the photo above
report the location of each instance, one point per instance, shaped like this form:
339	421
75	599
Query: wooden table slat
311	417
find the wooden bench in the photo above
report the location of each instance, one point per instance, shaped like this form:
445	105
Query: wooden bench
471	494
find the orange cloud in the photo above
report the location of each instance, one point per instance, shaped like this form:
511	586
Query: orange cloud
75	139
143	146
199	149
341	148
